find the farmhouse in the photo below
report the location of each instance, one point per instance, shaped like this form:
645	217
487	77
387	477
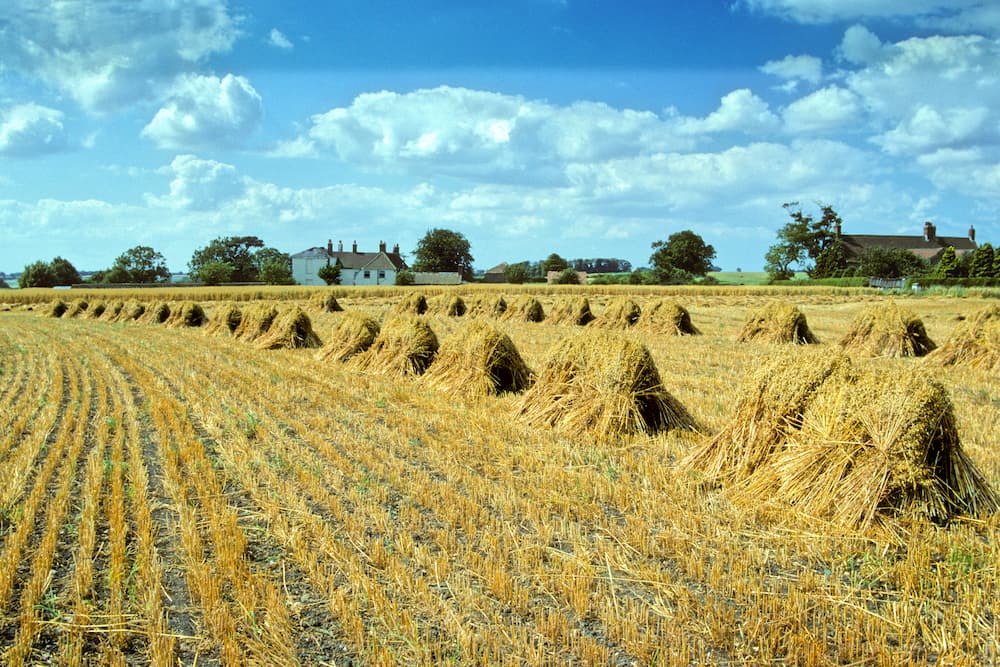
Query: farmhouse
356	268
928	246
497	274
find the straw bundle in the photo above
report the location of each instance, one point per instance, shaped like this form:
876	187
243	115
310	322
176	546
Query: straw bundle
255	322
604	384
132	311
354	333
113	311
224	320
777	322
406	345
450	305
873	446
57	308
572	310
96	310
187	314
290	330
481	360
76	308
411	304
974	343
524	309
771	403
158	313
327	302
487	306
668	318
886	330
620	313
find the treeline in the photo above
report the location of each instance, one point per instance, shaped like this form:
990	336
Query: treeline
536	271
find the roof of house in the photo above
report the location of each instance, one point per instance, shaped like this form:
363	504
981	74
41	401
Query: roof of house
378	261
918	245
499	268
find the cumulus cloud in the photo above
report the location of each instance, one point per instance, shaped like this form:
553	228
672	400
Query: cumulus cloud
107	55
199	184
206	111
739	111
825	11
278	39
480	133
796	68
928	128
31	129
822	111
861	46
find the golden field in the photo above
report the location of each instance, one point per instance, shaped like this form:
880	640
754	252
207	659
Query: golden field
172	497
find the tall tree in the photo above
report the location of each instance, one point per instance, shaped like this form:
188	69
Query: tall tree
982	262
63	272
37	274
947	266
682	251
996	263
141	264
554	263
801	240
273	266
236	251
443	250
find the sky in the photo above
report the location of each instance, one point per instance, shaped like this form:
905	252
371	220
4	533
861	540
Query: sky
588	128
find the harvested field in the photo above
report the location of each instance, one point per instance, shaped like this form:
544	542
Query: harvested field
975	342
777	322
168	497
886	330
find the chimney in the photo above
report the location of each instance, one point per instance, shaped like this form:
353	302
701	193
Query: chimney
928	231
354	248
329	246
381	246
836	229
972	233
340	246
395	249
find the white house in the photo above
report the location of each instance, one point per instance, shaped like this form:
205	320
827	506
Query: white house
356	268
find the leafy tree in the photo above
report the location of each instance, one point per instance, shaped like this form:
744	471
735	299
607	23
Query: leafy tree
947	266
982	262
236	251
568	276
37	274
3	284
800	240
643	277
516	274
141	264
443	250
63	272
683	251
996	263
889	263
831	261
554	263
405	278
276	272
215	272
330	274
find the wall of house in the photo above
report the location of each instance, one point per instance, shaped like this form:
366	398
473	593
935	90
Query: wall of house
373	277
304	271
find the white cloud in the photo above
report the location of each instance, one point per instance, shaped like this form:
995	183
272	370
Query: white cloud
827	11
206	111
861	46
928	128
739	111
822	111
31	129
278	39
107	55
200	184
480	134
796	68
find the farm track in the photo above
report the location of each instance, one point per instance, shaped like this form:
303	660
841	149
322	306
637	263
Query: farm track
187	498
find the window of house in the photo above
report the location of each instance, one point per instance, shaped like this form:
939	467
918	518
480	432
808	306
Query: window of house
381	275
368	274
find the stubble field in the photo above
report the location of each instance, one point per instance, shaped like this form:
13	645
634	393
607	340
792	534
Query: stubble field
170	497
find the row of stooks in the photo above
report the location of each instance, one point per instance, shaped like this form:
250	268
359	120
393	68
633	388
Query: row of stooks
838	440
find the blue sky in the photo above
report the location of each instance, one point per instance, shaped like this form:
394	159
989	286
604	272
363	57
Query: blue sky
590	128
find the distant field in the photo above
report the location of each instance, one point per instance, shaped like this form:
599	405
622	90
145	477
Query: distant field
747	277
172	497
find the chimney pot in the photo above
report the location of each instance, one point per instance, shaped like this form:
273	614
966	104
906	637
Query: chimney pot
972	233
381	246
395	249
354	248
928	231
836	230
329	246
340	246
